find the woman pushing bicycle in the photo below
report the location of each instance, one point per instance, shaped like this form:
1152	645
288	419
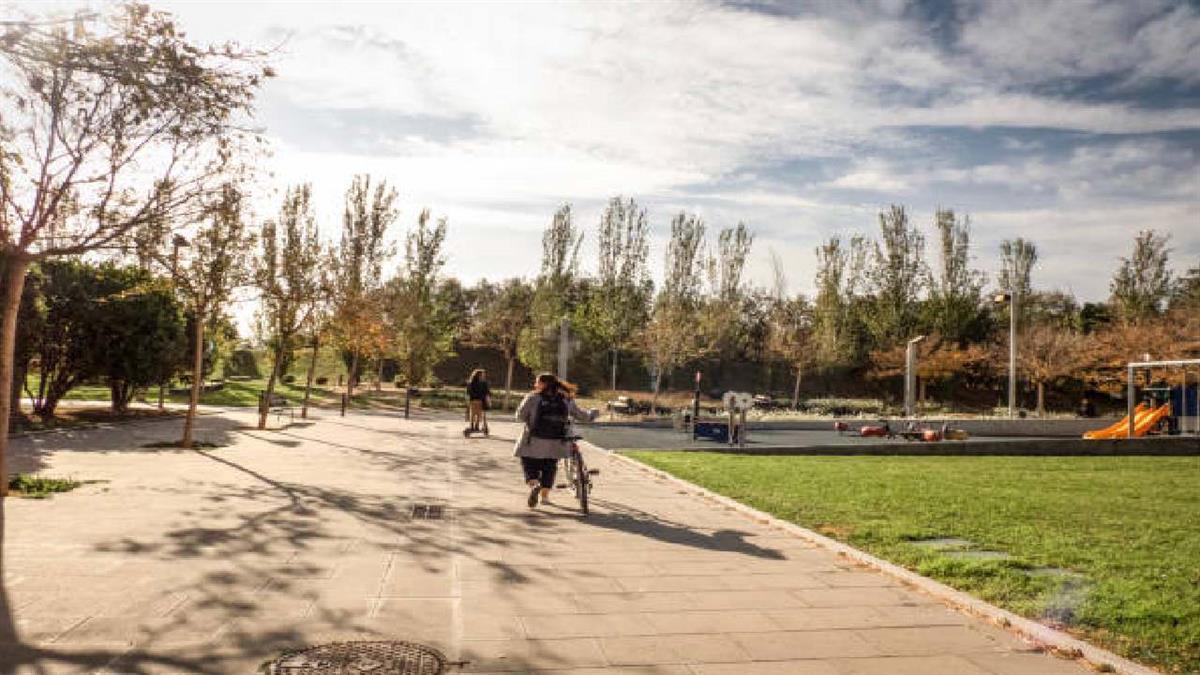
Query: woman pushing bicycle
546	413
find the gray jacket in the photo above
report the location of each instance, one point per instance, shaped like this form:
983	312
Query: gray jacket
529	445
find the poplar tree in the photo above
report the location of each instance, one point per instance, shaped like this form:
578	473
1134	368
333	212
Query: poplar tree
287	274
553	290
359	260
836	335
672	336
956	288
723	309
896	278
1142	284
424	332
618	302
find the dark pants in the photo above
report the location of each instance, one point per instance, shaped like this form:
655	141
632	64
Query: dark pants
540	469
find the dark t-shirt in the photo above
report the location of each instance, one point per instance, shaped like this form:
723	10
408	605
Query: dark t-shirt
478	390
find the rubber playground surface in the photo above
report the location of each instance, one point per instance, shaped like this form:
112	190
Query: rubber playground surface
648	438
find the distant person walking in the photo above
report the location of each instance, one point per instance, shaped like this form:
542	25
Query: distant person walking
546	413
478	396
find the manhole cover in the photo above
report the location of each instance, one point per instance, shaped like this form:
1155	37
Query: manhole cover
361	658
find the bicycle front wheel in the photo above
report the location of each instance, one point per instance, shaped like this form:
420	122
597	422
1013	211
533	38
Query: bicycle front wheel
581	480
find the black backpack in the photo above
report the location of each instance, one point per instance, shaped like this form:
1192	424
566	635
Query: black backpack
551	418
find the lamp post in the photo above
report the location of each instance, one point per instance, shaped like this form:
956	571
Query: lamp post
910	376
1011	299
177	242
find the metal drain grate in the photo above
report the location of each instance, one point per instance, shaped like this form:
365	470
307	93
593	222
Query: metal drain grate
427	512
361	658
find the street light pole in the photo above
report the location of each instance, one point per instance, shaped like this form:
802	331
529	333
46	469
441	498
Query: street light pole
910	377
1012	345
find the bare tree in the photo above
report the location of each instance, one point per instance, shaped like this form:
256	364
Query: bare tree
1049	353
214	264
789	336
287	274
105	128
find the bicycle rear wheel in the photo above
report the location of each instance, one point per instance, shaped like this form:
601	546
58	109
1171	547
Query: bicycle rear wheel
582	481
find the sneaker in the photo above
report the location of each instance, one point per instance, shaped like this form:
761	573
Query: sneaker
533	497
545	496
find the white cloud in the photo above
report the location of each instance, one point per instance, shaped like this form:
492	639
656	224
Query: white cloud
539	103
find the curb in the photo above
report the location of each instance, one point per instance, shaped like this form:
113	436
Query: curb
1039	634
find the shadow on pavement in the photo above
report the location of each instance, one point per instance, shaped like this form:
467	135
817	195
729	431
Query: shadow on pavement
279	519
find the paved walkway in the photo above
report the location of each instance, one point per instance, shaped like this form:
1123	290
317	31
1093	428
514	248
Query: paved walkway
214	561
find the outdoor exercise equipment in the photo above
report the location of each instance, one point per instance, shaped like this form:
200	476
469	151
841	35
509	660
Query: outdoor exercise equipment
736	404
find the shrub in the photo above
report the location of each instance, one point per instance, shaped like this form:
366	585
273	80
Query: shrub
289	379
842	407
39	487
322	381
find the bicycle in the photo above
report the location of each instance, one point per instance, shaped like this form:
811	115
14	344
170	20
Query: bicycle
578	474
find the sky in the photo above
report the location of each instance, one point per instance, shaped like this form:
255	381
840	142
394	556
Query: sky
1072	123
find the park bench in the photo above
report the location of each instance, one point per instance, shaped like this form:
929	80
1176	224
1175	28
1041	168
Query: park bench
280	405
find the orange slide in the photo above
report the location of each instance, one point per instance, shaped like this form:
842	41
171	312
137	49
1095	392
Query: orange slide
1145	418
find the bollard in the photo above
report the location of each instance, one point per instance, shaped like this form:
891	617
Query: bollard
344	402
407	399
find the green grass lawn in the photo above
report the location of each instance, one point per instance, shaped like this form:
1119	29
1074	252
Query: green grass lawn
1127	528
246	393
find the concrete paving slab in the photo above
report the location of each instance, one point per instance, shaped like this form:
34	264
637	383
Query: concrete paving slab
218	560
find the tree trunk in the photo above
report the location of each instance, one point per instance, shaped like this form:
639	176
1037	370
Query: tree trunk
614	372
116	397
20	371
312	368
512	359
1041	398
14	285
189	422
264	406
379	376
796	389
657	385
352	378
